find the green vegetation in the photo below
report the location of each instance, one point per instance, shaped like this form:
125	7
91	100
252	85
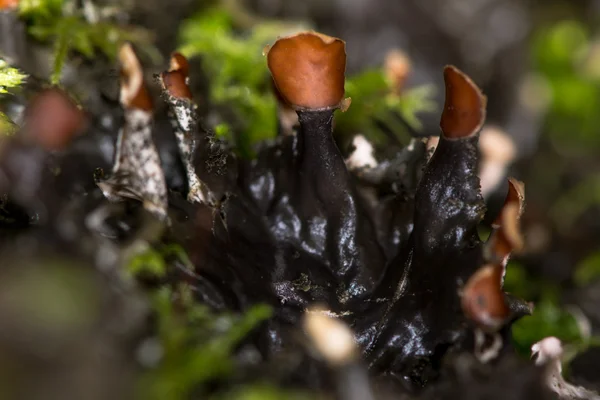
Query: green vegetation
572	203
7	127
10	78
239	80
588	270
266	392
237	69
566	58
373	100
549	317
569	60
70	28
154	260
195	344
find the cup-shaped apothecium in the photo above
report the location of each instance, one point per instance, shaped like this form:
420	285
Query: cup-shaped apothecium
174	81
464	108
482	298
309	70
448	200
134	94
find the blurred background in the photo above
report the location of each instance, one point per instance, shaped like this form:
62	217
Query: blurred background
538	62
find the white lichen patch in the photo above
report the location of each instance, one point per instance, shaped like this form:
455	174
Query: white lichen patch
184	122
363	154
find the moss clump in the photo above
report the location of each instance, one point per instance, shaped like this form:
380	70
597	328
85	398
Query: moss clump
10	78
236	66
549	318
567	58
70	29
588	270
234	60
154	261
375	103
196	345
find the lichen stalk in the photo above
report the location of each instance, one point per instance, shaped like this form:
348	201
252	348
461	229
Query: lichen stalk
137	172
184	119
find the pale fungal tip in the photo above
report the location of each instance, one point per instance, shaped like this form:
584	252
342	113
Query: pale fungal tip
331	337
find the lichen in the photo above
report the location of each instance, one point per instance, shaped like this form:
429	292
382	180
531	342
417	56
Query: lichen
235	65
10	78
294	228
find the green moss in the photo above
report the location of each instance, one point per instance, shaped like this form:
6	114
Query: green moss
154	261
518	282
149	262
266	392
223	130
237	70
588	270
303	283
197	346
40	8
64	24
7	127
239	79
548	318
567	59
373	101
10	78
572	203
